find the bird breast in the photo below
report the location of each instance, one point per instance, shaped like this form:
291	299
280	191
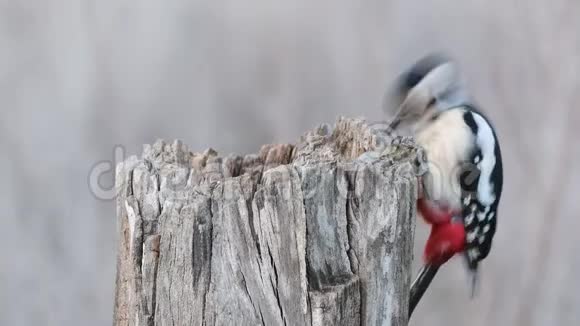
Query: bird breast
448	142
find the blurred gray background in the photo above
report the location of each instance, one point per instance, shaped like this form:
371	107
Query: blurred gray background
78	77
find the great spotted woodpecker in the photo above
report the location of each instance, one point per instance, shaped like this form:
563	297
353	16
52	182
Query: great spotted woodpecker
463	185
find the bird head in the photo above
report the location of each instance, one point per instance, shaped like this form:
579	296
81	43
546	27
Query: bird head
432	85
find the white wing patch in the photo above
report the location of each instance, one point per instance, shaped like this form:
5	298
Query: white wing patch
469	218
481	216
473	253
466	200
486	142
472	235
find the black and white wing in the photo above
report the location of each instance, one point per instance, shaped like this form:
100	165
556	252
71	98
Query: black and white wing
481	181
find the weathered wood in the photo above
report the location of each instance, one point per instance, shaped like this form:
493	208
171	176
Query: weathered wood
317	233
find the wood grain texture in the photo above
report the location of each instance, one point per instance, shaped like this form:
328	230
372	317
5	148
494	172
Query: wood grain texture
317	233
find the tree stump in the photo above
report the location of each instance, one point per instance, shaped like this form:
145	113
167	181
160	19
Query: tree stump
317	233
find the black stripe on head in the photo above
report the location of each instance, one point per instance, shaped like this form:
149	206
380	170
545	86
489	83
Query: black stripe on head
420	69
470	121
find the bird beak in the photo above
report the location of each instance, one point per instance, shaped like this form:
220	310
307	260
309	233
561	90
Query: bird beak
398	119
395	123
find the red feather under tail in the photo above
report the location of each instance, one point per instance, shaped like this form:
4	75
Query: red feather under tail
444	242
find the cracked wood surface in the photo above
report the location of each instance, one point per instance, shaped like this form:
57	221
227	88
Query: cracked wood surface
317	233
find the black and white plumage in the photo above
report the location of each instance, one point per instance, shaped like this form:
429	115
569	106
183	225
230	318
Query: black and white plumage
481	194
465	166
